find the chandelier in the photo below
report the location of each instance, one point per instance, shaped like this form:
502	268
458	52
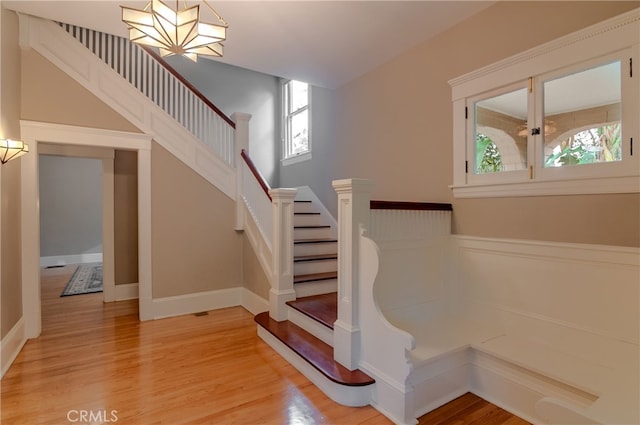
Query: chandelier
175	32
11	149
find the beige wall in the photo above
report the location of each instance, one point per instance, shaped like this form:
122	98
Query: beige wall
394	125
194	247
10	267
125	218
253	275
49	95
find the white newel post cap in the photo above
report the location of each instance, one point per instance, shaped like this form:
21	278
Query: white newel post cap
352	185
285	194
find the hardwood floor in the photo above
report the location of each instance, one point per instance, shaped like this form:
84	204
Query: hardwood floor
98	360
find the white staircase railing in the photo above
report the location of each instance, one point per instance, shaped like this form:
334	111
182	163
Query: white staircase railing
163	86
213	161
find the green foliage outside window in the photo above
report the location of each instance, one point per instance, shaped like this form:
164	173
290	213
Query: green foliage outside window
488	159
601	144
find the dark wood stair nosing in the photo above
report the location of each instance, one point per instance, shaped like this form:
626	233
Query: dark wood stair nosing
307	213
302	201
314	351
313	226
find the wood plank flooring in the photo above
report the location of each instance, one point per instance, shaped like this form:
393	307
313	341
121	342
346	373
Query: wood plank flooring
209	369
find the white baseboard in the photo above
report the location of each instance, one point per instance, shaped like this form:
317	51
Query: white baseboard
127	291
11	345
63	260
197	302
253	303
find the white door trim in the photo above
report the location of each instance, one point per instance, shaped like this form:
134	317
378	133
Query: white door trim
33	133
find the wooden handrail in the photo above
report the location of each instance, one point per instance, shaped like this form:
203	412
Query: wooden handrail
190	86
254	170
414	206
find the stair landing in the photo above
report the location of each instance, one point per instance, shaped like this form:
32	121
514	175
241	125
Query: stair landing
314	351
322	308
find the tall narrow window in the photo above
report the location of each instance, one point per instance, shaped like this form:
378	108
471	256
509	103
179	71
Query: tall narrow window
296	124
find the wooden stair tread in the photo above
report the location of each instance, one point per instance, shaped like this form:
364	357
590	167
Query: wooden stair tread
322	240
302	201
322	308
314	351
317	257
306	213
303	278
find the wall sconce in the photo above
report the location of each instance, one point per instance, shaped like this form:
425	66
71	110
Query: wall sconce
10	149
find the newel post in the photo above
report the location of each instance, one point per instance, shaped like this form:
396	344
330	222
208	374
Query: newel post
354	197
282	253
240	142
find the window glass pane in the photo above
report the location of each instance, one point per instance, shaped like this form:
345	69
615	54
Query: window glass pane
501	133
299	95
299	132
582	117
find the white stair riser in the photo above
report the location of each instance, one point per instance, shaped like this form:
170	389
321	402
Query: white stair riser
316	288
315	248
313	233
318	266
312	326
304	207
308	220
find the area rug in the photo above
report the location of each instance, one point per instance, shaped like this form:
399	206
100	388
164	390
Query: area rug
87	279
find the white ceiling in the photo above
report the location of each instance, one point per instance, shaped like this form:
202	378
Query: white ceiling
326	43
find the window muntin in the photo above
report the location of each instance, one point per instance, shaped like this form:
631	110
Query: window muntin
296	124
582	117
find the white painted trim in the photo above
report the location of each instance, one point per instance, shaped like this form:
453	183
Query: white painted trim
258	242
63	260
253	302
464	85
11	345
345	395
35	132
108	228
127	291
145	277
548	188
305	156
196	302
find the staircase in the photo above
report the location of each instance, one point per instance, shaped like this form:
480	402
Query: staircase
315	250
161	104
306	338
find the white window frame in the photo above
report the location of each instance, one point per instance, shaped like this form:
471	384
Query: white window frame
287	157
598	44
